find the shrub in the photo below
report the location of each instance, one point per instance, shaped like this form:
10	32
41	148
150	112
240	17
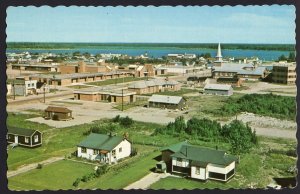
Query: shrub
39	166
126	121
116	119
76	182
134	151
101	170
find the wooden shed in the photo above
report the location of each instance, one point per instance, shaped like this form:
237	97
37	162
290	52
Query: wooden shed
58	113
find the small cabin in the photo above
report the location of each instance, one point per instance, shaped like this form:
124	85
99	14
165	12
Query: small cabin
58	113
24	137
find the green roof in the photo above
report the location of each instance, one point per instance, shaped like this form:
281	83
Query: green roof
200	155
101	141
175	147
20	131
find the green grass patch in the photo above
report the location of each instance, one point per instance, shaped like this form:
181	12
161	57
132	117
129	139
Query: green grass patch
59	175
120	178
79	86
117	80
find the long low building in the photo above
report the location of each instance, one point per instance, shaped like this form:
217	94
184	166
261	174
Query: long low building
218	89
110	94
169	102
154	86
68	79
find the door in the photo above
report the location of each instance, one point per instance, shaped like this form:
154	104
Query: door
16	139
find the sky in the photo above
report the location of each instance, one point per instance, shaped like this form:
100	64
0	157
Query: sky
193	24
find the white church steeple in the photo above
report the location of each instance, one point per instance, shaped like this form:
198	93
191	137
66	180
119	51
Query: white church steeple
219	54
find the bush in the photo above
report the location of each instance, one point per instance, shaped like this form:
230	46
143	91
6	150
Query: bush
76	182
126	121
116	119
134	151
101	170
39	166
239	135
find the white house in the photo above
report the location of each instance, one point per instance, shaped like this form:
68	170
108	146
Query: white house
203	163
104	148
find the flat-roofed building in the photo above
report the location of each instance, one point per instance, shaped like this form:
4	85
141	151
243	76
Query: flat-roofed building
218	89
169	102
110	94
284	73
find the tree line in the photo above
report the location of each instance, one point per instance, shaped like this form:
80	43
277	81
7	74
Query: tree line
240	136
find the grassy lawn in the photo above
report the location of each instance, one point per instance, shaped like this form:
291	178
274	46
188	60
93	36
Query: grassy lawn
58	175
79	86
120	178
117	80
204	105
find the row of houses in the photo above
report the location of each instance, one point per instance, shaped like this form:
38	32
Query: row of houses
183	158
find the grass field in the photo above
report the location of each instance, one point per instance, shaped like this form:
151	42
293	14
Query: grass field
117	81
59	175
79	86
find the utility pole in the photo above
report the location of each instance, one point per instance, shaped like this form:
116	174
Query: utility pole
14	93
44	93
54	84
122	99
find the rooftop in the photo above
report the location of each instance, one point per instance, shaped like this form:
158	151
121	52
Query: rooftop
217	87
57	109
165	99
20	131
101	141
202	156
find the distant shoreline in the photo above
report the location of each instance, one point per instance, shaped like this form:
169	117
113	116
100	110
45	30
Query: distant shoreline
188	46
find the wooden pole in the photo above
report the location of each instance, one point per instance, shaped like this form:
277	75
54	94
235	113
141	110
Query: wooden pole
122	99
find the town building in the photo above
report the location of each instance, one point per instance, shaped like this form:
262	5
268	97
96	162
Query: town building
154	86
84	67
243	71
169	102
20	87
104	148
203	163
68	79
284	73
108	94
24	137
218	89
180	69
58	113
43	67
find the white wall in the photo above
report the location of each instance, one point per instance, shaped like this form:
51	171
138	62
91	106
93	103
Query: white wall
202	174
184	163
126	151
220	169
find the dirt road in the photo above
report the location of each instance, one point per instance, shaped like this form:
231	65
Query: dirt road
32	166
146	181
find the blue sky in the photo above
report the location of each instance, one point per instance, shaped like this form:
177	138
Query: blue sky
240	24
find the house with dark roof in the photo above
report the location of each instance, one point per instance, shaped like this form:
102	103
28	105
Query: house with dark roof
24	137
58	113
202	163
104	148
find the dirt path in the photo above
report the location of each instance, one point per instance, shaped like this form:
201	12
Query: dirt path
32	166
146	181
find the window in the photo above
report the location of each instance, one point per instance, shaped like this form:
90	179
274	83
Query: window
96	152
197	171
36	138
83	150
26	139
113	153
32	84
28	85
120	149
179	162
